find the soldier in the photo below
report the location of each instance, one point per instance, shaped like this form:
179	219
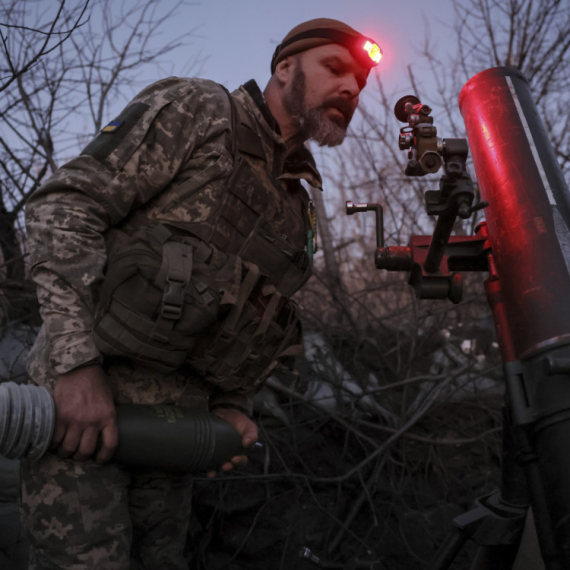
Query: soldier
165	256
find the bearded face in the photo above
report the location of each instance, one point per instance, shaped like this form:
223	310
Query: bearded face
312	123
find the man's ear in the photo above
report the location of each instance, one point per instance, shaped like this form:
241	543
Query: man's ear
284	69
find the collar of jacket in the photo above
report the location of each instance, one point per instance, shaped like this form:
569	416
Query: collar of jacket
299	163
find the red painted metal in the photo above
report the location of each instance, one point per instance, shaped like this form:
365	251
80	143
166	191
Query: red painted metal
535	282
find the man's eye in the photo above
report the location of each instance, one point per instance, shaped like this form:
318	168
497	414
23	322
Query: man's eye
334	70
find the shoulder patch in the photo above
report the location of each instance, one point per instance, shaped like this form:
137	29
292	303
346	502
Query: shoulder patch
250	143
104	144
111	127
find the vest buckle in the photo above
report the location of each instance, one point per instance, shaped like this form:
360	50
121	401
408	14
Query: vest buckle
173	299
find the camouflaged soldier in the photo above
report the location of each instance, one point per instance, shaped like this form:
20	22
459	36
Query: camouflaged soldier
165	256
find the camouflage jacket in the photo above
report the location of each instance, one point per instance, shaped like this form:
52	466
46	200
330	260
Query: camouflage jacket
166	155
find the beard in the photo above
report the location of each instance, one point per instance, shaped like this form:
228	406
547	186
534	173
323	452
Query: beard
312	123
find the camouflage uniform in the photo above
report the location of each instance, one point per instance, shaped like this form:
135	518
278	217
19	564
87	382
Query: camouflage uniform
169	160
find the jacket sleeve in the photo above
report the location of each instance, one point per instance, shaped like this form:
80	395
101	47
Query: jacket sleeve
126	165
232	399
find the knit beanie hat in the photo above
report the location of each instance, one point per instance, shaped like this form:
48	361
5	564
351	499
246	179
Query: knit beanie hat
323	31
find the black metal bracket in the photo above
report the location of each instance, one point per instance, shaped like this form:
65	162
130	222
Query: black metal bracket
457	253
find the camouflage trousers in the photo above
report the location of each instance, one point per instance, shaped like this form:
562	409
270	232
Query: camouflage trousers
86	516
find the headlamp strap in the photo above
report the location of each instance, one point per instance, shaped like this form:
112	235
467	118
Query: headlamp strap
336	36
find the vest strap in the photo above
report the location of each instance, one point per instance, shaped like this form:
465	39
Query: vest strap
175	272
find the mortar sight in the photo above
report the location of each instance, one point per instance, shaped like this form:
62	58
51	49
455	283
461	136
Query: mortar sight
419	137
405	107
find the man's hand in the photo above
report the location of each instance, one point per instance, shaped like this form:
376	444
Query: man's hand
85	414
246	428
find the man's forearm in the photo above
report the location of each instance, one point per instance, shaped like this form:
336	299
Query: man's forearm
65	233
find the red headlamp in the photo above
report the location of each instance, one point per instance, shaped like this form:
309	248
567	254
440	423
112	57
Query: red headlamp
373	50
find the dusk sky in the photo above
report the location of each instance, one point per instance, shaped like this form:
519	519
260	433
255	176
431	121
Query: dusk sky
234	40
238	36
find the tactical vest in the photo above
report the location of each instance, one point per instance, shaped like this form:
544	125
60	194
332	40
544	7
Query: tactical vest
212	295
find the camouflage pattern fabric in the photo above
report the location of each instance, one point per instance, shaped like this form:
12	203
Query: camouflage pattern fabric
135	384
181	136
166	156
171	164
85	516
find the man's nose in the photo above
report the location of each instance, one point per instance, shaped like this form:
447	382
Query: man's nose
350	86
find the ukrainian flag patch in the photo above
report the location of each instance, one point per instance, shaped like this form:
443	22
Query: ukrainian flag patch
111	127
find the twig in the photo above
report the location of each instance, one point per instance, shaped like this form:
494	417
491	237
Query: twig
278	387
431	441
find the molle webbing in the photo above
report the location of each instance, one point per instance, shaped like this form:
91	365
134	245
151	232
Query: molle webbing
240	226
167	301
152	304
174	276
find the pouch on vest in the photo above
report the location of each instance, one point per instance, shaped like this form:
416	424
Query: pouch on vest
159	292
232	341
252	340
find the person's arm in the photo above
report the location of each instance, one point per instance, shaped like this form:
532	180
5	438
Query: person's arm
66	221
65	235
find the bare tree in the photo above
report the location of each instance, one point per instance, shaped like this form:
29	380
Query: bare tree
530	35
46	35
65	74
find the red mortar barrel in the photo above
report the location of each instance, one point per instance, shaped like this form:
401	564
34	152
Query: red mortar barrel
529	206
